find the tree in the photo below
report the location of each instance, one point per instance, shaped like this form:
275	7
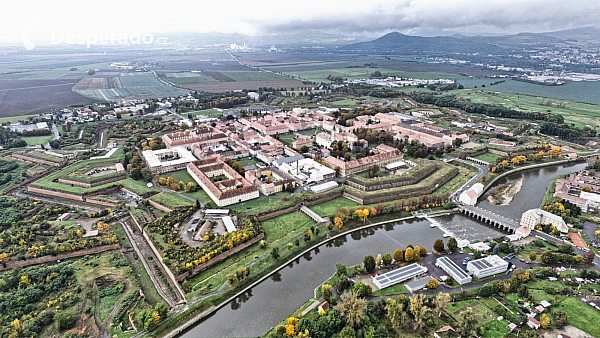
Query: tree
338	222
398	255
589	257
418	310
232	279
340	270
369	263
532	256
378	260
438	245
416	253
449	281
545	321
409	254
275	253
423	251
560	318
351	308
387	259
347	332
327	292
362	289
486	291
441	301
466	322
452	244
162	309
304	149
395	312
433	284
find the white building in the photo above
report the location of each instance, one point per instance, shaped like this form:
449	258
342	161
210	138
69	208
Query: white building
399	275
453	270
487	266
470	196
533	217
167	160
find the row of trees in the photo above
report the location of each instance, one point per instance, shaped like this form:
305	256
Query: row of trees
411	254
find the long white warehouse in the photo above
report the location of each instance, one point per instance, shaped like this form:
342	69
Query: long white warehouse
399	275
453	270
487	266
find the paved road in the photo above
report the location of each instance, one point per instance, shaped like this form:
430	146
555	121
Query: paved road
482	170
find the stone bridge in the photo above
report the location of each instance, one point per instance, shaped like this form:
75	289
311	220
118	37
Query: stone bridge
490	218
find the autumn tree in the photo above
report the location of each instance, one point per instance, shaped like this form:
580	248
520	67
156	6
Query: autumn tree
338	222
560	318
532	256
545	321
433	284
418	310
423	251
396	313
351	308
232	279
409	254
378	260
441	302
398	255
467	322
438	245
416	253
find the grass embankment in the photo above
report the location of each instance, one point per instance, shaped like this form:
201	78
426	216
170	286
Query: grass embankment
170	200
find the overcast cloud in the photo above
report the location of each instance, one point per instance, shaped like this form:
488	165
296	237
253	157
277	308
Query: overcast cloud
348	17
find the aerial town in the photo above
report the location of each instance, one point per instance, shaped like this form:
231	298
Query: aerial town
281	185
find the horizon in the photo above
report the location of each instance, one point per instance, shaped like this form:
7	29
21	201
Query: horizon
44	23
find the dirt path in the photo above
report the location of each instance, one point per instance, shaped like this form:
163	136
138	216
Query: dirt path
154	270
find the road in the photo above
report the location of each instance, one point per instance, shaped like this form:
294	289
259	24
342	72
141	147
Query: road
482	170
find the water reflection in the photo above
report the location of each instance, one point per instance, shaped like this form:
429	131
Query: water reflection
236	304
276	277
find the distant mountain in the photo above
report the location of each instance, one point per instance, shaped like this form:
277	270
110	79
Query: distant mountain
407	44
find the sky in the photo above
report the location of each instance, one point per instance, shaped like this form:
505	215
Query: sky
48	21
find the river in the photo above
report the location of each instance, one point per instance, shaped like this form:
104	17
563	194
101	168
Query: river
271	301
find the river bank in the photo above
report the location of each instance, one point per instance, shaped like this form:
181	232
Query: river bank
505	193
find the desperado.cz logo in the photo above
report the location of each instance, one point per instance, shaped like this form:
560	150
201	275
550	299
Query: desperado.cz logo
92	39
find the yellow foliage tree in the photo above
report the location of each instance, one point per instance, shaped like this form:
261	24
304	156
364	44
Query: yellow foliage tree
545	321
338	222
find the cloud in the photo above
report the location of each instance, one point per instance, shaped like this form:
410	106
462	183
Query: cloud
348	17
431	17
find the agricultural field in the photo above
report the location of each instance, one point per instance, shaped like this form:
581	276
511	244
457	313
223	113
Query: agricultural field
126	85
25	97
580	114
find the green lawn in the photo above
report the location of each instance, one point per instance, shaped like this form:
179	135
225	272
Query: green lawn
329	208
181	175
200	195
279	230
37	140
391	290
137	187
581	315
267	203
171	201
252	76
488	157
